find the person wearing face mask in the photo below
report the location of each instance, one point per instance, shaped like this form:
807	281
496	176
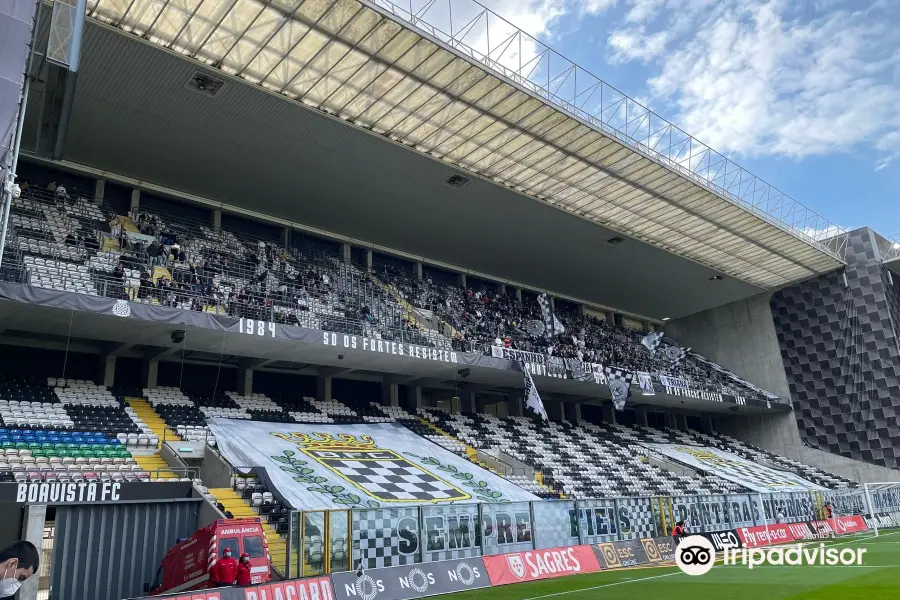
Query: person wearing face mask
243	570
224	571
18	562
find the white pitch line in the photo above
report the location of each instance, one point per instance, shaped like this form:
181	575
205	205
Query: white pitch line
605	585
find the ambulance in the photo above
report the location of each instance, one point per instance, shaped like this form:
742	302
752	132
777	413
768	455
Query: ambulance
187	565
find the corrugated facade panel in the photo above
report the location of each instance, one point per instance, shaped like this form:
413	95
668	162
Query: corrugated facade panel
108	552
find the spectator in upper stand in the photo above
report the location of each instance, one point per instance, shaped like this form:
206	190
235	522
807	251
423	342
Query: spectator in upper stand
115	227
153	251
51	187
61	194
119	271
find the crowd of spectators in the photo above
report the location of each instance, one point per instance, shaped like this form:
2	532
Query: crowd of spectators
252	278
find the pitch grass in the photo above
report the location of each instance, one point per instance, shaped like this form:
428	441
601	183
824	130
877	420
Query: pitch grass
877	579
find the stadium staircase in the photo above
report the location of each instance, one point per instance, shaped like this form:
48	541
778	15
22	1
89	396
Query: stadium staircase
153	463
409	308
240	508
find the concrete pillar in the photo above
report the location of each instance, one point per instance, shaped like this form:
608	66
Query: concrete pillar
286	237
109	371
369	259
413	398
555	409
390	394
519	294
467	403
245	382
609	414
610	317
33	531
671	421
419	270
150	372
579	310
99	189
646	327
640	417
573	412
514	405
345	253
323	388
135	199
501	289
681	422
217	219
462	280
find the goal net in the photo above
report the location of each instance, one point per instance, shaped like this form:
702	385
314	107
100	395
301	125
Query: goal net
877	504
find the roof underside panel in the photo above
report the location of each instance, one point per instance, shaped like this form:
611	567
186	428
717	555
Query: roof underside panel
363	64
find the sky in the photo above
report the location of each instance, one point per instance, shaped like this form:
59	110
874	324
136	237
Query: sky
805	94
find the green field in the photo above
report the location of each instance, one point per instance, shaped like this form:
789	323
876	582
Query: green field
877	579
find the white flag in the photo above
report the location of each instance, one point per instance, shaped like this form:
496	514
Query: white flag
532	397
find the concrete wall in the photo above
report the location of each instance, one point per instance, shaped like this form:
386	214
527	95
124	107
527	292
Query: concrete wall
741	337
216	472
779	434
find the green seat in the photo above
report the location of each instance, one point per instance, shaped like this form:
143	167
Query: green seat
48	446
37	453
34	446
71	447
8	444
84	447
21	445
51	452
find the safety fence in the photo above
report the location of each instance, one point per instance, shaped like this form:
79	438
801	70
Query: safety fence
405	581
323	542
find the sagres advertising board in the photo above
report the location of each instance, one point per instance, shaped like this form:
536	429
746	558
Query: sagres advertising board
372	465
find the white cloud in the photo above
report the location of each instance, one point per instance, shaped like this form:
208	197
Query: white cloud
643	10
636	44
754	77
595	7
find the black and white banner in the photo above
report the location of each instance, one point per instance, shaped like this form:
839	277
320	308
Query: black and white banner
675	382
619	383
651	341
552	325
532	397
675	354
646	384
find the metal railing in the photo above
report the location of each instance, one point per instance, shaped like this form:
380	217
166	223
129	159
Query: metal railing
481	34
458	530
349	289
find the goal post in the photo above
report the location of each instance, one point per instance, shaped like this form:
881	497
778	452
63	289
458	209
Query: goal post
882	505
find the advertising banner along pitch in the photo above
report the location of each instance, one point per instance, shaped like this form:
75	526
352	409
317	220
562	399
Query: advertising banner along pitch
516	567
732	467
407	582
375	465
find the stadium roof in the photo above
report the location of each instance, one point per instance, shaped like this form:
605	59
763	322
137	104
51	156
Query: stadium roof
542	127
